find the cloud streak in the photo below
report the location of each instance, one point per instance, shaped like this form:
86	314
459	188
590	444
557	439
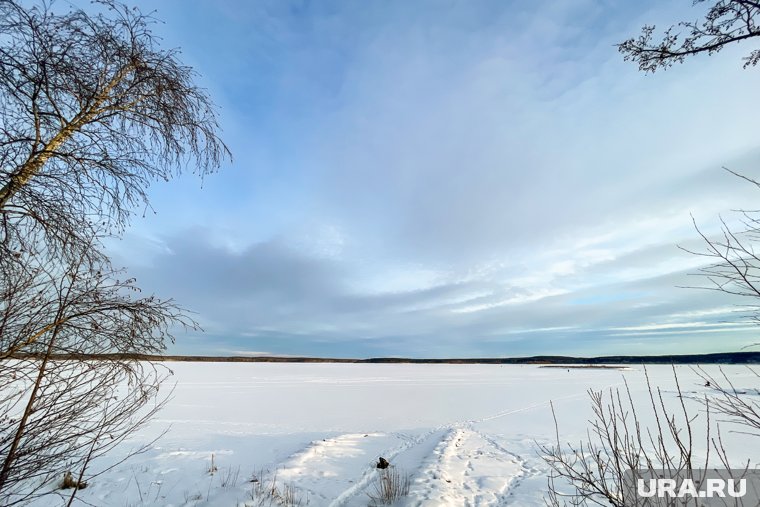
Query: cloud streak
484	178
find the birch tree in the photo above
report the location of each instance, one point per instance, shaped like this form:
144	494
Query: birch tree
92	111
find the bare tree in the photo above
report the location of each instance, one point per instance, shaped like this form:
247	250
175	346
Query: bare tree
64	402
92	110
732	263
724	23
617	440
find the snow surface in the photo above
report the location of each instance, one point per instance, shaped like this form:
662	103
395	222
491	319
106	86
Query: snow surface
466	435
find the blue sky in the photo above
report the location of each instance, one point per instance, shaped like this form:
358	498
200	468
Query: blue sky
449	178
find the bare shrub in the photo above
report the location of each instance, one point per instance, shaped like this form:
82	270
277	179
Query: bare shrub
228	477
266	492
741	405
617	441
390	485
290	496
192	497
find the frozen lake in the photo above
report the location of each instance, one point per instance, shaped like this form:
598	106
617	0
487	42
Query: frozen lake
464	434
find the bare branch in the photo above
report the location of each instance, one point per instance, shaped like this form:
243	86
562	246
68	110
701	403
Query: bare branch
725	22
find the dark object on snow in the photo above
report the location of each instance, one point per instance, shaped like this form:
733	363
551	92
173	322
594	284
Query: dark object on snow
382	463
69	482
707	384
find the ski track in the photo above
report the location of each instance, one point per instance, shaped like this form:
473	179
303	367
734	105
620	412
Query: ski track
454	464
465	470
328	466
463	467
360	487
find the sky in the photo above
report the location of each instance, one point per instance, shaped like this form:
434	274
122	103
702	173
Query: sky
449	179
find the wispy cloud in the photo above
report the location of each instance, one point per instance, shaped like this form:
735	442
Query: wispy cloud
481	178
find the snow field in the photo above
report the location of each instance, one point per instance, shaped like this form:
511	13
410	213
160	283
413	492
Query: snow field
464	434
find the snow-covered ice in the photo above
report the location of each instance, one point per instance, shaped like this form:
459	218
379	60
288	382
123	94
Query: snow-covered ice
465	434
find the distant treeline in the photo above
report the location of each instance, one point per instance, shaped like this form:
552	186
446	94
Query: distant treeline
718	358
